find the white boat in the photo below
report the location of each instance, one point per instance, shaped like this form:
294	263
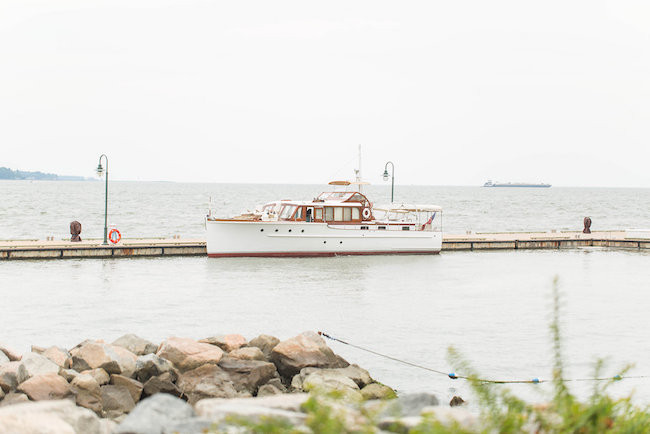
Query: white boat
334	223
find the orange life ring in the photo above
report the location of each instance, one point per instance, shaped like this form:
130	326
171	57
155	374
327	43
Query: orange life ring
114	236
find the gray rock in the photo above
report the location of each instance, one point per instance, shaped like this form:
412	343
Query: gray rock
288	401
134	387
11	375
150	365
307	349
116	399
220	412
207	381
87	392
36	364
136	344
163	383
12	398
409	405
248	375
60	416
266	343
194	425
152	415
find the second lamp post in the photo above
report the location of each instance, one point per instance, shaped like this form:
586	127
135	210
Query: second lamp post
392	183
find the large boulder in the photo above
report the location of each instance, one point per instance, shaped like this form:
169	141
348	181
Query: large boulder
327	380
265	343
207	381
247	353
307	349
134	387
52	417
152	415
12	355
187	354
284	407
135	344
58	355
37	364
150	365
248	375
163	383
226	342
45	387
87	392
360	376
68	374
113	359
116	400
11	375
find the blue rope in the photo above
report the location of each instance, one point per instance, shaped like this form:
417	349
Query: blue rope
454	376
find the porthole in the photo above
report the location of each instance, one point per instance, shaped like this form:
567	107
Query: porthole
276	230
302	230
340	242
324	242
262	230
289	230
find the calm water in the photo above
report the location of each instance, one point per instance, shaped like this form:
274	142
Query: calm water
492	306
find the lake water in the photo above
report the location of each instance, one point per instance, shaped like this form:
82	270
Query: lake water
492	306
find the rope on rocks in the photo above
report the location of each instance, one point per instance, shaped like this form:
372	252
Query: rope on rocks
454	376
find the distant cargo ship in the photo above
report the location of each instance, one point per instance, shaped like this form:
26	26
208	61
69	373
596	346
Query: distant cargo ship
515	184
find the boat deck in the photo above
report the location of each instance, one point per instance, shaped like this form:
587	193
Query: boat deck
143	247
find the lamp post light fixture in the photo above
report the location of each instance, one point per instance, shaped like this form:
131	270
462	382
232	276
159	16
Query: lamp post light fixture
392	183
100	172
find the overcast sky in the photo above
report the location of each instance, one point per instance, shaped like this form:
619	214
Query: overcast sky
453	92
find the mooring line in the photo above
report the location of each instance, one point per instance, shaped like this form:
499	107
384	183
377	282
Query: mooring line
454	376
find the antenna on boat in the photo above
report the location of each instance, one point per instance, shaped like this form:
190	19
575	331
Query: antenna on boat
357	172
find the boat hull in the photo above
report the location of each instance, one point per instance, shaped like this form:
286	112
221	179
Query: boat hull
302	239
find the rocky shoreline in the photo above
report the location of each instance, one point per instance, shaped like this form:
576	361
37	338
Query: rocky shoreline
181	385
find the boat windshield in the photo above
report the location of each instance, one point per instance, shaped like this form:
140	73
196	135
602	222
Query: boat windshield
334	195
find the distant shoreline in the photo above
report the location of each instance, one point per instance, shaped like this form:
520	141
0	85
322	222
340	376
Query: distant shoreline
20	175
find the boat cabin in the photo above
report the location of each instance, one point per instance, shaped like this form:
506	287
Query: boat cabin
335	207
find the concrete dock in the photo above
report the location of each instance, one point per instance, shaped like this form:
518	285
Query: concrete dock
143	247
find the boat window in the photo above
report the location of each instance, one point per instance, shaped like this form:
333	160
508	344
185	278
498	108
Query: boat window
318	213
356	197
287	211
356	214
381	228
338	214
347	214
406	228
329	213
364	228
299	214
